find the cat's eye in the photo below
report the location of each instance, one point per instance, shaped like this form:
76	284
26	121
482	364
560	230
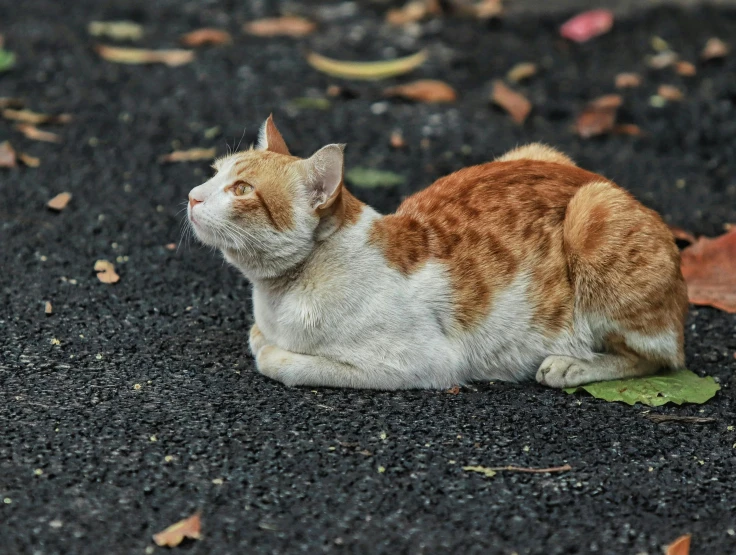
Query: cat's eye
241	188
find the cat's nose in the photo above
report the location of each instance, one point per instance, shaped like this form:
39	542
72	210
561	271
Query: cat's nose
193	201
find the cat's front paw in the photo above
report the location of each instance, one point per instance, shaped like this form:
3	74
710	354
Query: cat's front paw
257	340
272	362
561	371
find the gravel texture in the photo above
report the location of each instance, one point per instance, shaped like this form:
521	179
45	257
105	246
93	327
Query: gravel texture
149	409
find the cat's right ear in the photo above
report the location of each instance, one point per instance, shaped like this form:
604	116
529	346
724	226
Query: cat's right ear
269	138
324	173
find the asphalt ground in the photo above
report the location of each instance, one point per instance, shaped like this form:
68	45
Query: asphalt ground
149	409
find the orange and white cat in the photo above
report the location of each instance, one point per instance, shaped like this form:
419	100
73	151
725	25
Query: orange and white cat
524	266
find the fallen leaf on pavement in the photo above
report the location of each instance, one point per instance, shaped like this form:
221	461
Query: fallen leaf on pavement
714	48
709	268
170	57
521	71
670	92
173	535
35	134
59	202
191	155
171	246
34	118
205	36
662	60
116	30
310	103
7	60
681	546
424	90
630	129
48	309
413	11
366	70
563	468
678	386
288	26
106	273
484	9
686	69
454	390
368	178
397	140
682	234
513	102
28	160
587	25
627	80
599	116
7	102
487	472
8	156
660	418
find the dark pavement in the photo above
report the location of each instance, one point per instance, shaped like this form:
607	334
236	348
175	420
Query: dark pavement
149	407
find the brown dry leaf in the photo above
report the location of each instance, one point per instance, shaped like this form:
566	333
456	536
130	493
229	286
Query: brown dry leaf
48	309
424	90
34	118
681	546
682	234
59	202
454	390
413	11
521	71
714	48
686	69
709	268
206	36
7	102
8	157
662	60
630	129
287	26
397	140
106	272
513	102
35	134
627	80
188	528
191	155
599	116
171	246
670	92
484	9
28	160
170	57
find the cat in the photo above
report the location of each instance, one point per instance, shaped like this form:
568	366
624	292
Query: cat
525	266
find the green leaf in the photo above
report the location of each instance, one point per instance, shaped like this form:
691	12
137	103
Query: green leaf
309	103
487	472
7	59
678	386
368	178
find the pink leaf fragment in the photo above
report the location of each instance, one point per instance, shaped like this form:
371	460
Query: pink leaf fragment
587	25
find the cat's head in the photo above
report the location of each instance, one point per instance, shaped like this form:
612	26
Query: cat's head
266	209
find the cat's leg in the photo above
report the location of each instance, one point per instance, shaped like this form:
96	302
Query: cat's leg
294	369
563	371
257	340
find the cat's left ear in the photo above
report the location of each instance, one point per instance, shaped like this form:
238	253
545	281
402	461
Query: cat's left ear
324	174
269	138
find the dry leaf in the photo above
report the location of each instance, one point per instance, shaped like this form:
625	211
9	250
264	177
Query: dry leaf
191	155
28	160
709	268
397	140
8	157
454	390
188	528
34	118
172	57
171	246
116	30
48	309
59	202
670	92
661	418
714	48
514	103
521	71
627	80
424	90
205	36
485	9
366	70
629	129
662	60
7	102
288	26
413	11
563	468
35	134
686	69
682	234
598	117
681	546
587	25
106	272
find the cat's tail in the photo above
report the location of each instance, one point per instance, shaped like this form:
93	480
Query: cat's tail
536	151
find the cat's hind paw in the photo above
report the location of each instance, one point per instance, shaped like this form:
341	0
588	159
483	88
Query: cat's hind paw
257	340
561	371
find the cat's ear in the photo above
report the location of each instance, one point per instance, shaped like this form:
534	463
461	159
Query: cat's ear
324	173
269	138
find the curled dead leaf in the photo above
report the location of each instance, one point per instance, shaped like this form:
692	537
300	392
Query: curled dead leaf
35	134
662	60
627	80
366	70
513	102
397	140
599	116
424	90
709	269
48	309
587	25
287	26
191	155
630	129
116	30
686	69
106	271
28	160
34	118
521	71
454	390
714	48
670	92
681	546
8	156
173	535
59	202
482	9
206	36
169	57
413	11
682	234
